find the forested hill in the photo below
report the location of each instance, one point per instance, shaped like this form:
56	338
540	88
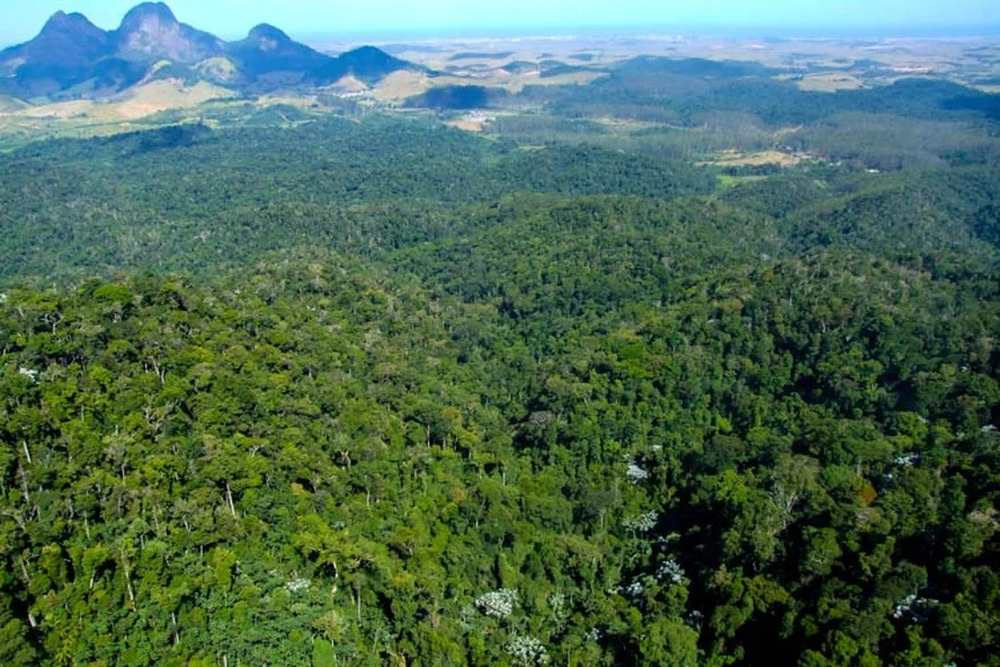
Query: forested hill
387	393
186	197
189	198
691	108
686	88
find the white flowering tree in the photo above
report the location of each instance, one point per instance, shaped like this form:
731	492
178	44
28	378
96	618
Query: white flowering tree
527	651
497	604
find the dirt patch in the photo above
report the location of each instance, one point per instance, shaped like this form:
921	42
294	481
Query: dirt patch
469	125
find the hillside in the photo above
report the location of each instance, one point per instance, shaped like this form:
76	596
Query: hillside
416	395
661	359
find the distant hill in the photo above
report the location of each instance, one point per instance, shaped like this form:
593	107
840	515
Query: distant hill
366	63
687	91
699	67
72	58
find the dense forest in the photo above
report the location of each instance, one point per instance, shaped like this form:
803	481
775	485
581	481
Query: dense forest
379	391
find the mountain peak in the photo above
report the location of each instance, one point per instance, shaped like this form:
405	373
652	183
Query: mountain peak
56	20
150	31
146	13
265	31
61	22
66	41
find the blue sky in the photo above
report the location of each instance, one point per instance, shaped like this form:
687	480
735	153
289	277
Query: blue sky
20	20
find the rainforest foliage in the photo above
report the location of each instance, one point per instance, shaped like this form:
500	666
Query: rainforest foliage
383	392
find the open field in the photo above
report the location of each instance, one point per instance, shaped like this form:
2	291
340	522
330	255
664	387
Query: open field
829	82
733	158
84	118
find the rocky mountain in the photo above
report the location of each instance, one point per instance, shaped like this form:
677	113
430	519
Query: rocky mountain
268	50
73	58
150	31
66	40
63	55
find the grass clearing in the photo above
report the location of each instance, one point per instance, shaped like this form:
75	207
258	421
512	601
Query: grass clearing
157	96
829	82
733	158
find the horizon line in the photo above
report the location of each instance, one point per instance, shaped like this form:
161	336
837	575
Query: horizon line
844	32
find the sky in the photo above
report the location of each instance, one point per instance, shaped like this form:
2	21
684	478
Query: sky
20	20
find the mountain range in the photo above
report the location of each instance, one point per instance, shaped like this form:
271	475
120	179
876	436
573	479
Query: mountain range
73	58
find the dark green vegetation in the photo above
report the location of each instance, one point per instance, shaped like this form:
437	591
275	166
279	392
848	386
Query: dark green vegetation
455	98
691	108
383	392
184	197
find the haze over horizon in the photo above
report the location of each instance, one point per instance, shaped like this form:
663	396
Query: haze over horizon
311	18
